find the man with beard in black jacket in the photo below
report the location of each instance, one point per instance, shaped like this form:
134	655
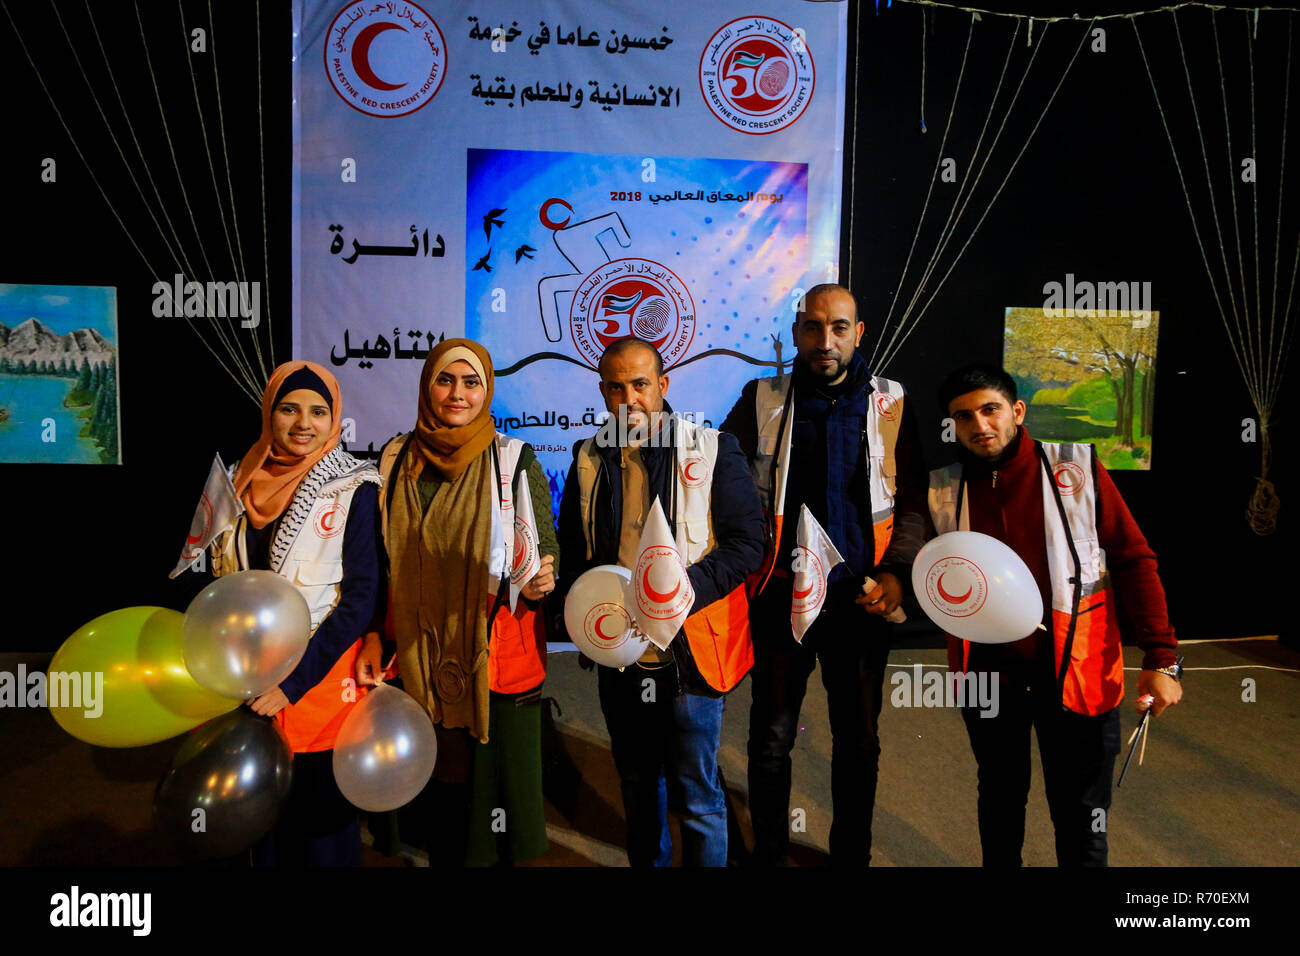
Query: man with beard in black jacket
843	442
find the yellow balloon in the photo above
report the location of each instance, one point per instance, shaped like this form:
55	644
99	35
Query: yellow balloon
131	686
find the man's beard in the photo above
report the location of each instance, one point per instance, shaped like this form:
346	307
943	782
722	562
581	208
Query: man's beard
828	372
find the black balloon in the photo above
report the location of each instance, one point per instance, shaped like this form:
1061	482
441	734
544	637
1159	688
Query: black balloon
227	786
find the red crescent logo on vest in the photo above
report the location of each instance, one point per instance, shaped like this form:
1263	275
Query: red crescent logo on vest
887	406
657	596
694	471
330	521
952	599
1069	477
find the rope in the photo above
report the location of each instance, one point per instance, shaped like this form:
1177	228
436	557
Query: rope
1064	73
225	153
207	152
261	158
1132	15
1248	343
253	391
93	178
929	190
945	234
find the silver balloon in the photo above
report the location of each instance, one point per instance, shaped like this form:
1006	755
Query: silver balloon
385	751
245	633
227	786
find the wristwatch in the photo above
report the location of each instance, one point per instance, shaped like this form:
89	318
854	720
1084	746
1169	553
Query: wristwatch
1175	671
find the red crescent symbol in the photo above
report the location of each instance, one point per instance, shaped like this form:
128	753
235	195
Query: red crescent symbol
654	595
948	597
1063	479
800	595
686	469
547	221
601	634
361	55
193	539
327	519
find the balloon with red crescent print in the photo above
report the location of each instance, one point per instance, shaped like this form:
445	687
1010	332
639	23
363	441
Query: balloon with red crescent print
597	618
951	598
974	587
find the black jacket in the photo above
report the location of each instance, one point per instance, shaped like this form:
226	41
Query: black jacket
829	473
738	528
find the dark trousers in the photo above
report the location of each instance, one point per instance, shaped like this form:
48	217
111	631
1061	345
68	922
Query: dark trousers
1078	755
853	648
319	827
665	747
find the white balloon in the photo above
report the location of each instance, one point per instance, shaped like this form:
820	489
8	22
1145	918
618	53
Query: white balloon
385	751
597	617
245	633
975	587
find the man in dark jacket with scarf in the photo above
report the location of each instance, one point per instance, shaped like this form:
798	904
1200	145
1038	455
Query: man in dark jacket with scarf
832	437
664	713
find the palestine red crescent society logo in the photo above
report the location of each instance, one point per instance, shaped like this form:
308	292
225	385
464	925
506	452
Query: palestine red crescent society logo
956	586
524	546
695	471
638	297
805	562
1068	477
887	406
756	75
203	524
655	564
330	521
607	626
385	59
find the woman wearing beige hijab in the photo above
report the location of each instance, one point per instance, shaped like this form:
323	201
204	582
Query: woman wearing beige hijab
454	536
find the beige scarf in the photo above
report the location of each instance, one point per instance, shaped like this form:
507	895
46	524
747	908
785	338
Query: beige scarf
440	590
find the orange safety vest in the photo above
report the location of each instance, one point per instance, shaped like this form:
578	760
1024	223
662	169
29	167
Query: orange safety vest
717	634
1085	622
770	466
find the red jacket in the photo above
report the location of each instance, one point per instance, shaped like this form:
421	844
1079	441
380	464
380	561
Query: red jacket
1006	502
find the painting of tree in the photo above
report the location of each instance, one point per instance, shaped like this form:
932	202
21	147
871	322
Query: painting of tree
1087	376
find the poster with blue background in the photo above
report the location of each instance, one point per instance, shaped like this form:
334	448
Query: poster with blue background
544	177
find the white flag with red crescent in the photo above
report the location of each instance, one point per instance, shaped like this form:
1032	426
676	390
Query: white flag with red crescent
525	555
814	558
664	595
218	508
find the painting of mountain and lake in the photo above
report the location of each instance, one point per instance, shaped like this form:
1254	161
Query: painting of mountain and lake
58	375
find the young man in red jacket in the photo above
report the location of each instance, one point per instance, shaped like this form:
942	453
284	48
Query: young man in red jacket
1058	509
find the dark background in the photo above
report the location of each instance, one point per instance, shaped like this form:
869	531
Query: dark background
1095	194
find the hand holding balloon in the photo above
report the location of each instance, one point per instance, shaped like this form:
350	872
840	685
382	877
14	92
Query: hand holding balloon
270	703
370	661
